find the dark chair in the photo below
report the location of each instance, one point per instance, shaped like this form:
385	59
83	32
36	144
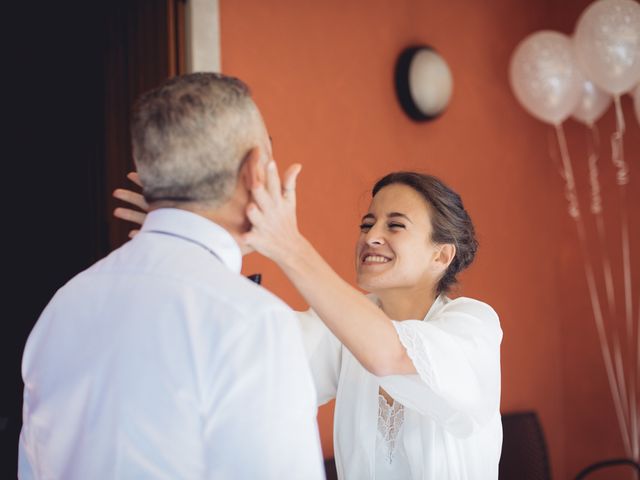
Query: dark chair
524	450
635	466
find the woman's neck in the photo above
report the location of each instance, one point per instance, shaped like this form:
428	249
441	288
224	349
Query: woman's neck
406	304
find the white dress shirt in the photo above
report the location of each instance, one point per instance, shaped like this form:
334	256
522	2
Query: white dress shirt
162	361
451	428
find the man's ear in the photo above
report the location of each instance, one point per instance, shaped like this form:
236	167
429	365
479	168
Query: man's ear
252	169
446	255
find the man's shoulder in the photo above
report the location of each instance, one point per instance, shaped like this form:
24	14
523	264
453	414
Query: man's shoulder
246	296
213	283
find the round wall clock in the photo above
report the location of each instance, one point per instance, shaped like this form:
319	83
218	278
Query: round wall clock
423	82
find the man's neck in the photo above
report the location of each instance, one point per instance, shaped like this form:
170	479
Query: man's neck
226	216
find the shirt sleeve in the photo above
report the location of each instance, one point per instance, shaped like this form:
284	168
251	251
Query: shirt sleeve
264	425
457	357
324	354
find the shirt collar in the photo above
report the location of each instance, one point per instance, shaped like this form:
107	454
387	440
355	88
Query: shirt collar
198	229
435	307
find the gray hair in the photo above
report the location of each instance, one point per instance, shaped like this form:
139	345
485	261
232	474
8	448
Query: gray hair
190	136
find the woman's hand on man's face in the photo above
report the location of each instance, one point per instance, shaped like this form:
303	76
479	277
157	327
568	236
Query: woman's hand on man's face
272	214
132	198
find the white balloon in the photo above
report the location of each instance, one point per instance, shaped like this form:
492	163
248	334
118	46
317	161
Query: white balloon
607	42
544	76
593	103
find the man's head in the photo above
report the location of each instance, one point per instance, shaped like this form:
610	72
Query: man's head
192	135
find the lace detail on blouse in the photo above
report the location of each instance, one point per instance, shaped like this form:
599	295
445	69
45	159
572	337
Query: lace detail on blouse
416	351
390	420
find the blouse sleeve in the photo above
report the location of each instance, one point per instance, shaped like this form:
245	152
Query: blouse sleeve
457	357
324	353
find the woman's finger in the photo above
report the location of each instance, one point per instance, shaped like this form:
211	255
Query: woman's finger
289	182
135	178
130	215
254	214
262	197
273	181
131	197
250	239
245	239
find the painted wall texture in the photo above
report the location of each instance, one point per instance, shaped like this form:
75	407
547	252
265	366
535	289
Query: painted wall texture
322	74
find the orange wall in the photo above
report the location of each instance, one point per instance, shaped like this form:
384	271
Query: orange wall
322	73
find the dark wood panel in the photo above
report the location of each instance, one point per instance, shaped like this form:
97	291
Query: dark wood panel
71	73
146	46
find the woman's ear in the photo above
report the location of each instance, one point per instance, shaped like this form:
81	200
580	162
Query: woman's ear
446	255
252	169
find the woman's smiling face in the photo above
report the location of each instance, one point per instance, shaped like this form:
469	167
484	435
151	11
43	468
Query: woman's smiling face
394	249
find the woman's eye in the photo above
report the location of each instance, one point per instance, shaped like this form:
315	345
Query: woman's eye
365	227
396	225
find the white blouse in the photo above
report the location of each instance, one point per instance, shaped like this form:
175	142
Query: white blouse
451	428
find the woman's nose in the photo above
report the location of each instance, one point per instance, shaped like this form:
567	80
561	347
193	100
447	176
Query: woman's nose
374	237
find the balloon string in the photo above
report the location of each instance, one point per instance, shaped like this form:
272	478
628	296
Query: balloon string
633	388
635	406
635	433
553	153
626	259
622	383
627	397
617	145
574	212
622	177
593	142
596	208
567	175
619	114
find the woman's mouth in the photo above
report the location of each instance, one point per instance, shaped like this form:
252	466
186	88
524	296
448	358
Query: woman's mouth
375	259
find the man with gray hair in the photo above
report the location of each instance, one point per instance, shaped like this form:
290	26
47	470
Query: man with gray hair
161	360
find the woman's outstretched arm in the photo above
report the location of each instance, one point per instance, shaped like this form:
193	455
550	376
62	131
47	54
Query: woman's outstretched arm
357	322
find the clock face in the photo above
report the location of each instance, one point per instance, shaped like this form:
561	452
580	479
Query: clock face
423	83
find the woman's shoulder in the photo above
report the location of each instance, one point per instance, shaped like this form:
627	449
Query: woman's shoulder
466	302
469	306
467	317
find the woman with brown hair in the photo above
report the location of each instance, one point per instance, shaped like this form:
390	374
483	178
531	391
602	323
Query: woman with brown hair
415	374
